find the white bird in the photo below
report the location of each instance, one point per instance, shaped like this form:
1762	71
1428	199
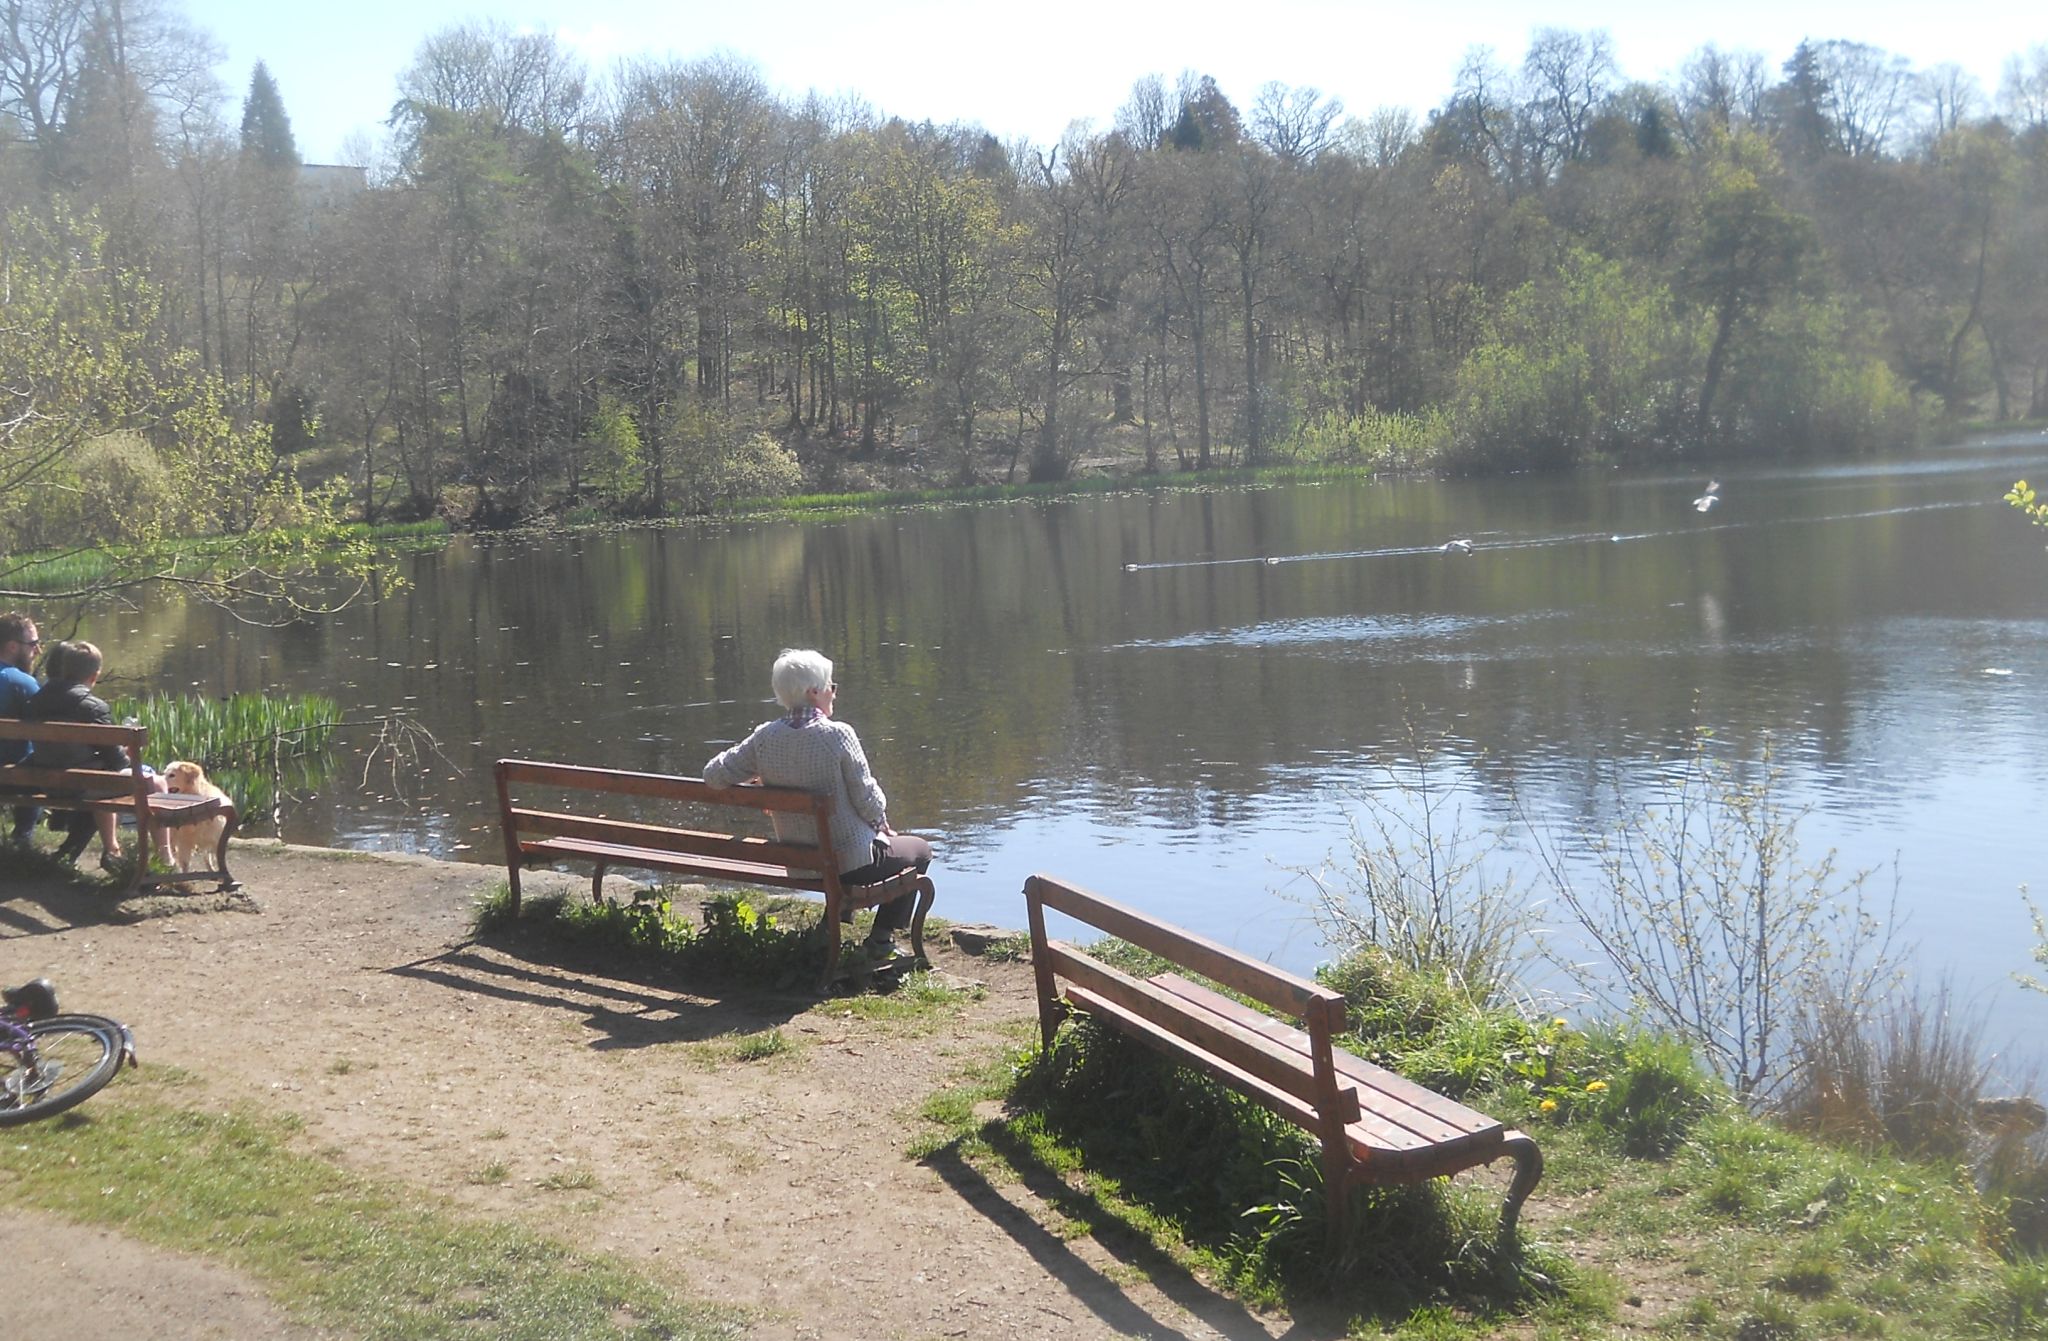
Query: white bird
1273	561
1705	502
1458	546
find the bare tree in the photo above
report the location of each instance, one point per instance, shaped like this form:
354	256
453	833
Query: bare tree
1867	90
1946	97
42	48
2023	92
1145	115
1568	76
1294	124
1719	91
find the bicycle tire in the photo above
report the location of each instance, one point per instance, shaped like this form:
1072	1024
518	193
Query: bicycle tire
76	1056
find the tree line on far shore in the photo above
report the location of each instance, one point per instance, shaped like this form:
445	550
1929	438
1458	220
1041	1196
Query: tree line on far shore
652	291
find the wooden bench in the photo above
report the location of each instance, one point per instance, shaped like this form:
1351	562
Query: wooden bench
575	835
1374	1126
126	791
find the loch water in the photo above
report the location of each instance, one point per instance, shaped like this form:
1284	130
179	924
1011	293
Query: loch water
1181	697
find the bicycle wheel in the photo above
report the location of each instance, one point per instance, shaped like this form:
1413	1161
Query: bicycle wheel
76	1055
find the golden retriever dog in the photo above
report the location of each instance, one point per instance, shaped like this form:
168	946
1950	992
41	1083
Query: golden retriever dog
184	842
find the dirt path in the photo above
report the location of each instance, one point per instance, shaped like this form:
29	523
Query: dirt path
595	1107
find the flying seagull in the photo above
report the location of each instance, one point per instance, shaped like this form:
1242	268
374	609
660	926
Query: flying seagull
1458	546
1705	502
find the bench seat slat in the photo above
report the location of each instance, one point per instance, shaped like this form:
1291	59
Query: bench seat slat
661	838
655	859
1243	1049
1393	1134
163	807
1426	1116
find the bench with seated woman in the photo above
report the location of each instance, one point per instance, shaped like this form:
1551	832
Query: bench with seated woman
805	748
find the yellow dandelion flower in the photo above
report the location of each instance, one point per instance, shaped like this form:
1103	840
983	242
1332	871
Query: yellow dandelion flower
1560	1023
1548	1106
1595	1086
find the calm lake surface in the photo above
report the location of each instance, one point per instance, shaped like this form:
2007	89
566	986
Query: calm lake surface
1178	697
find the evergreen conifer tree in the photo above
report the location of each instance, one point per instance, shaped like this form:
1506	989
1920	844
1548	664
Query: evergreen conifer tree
266	130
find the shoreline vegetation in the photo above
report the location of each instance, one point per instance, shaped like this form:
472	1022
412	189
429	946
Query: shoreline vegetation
1666	1205
76	573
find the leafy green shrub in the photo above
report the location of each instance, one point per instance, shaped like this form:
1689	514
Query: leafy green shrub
1392	1005
1384	439
1658	1093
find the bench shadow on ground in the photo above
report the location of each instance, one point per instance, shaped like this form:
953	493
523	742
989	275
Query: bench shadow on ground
39	898
1109	1301
625	1004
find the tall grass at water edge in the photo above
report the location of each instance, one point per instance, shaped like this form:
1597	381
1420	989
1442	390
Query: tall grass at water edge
256	747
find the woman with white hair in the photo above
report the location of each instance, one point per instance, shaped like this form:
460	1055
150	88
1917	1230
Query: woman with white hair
805	748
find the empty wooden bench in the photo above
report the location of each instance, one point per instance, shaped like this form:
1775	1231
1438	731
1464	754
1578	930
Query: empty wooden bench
1374	1126
577	830
126	791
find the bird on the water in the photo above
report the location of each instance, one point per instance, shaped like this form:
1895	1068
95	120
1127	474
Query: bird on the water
1705	502
1457	546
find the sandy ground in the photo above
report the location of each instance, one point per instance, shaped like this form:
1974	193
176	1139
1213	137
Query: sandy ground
597	1108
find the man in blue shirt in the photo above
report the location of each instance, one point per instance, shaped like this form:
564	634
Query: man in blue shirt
19	640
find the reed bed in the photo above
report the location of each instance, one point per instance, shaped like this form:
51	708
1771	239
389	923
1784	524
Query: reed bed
257	747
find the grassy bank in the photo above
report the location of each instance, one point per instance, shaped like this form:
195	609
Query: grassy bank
1665	1205
73	570
366	1258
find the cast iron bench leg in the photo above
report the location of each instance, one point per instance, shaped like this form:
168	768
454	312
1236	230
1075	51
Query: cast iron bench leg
1528	1168
228	883
926	892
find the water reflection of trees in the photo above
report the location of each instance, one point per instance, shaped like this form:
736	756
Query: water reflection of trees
1001	652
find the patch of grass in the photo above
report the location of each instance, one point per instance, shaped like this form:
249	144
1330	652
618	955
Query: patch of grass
356	1255
952	1112
830	505
68	570
1009	949
567	1180
491	1174
918	1002
760	1047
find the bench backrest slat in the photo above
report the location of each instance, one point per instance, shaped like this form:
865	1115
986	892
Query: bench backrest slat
74	733
1239	972
81	782
683	842
1241	1048
661	786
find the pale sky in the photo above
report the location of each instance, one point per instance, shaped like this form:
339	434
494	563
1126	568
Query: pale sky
1028	70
